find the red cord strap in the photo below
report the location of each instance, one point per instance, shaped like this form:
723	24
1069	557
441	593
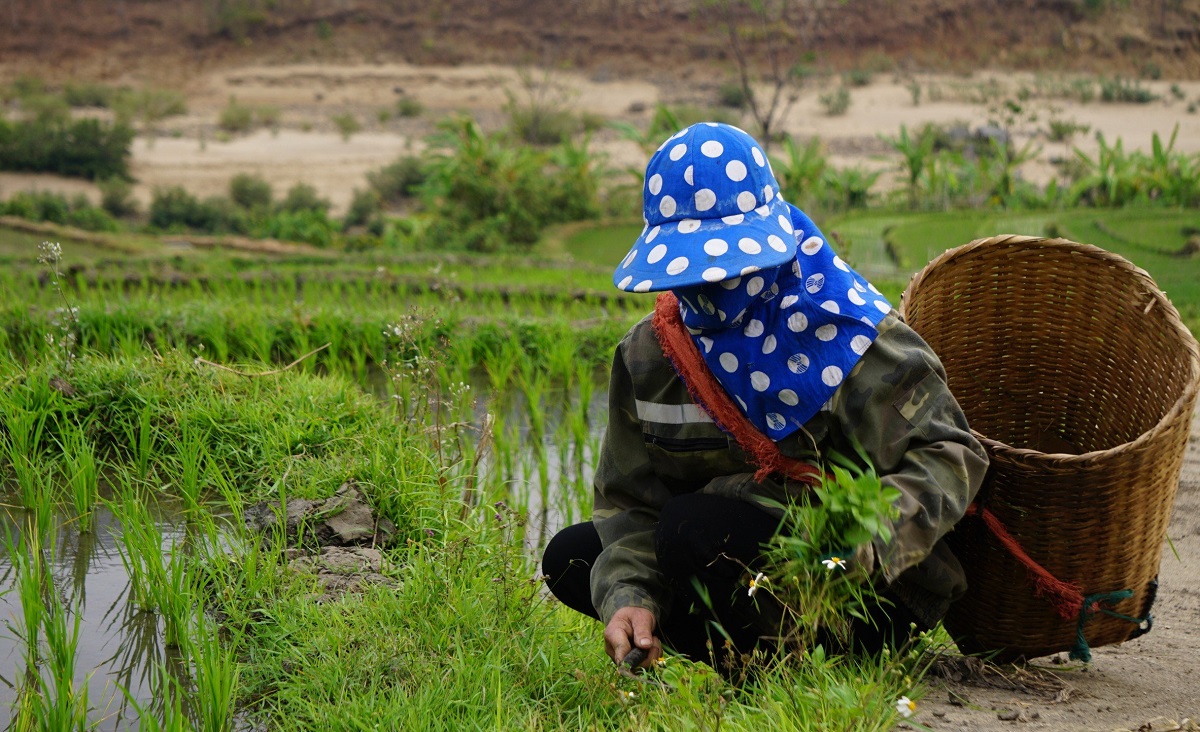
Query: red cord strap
710	396
1066	597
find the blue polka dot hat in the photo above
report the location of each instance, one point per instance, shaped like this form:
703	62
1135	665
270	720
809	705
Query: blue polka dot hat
712	210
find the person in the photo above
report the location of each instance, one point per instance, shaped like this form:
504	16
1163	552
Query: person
812	354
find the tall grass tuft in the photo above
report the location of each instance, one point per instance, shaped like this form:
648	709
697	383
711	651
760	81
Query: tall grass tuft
82	477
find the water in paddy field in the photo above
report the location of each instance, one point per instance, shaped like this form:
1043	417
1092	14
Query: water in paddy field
544	473
119	646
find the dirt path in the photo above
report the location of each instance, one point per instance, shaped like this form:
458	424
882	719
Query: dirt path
1151	683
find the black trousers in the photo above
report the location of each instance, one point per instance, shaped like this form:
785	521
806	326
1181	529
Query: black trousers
716	543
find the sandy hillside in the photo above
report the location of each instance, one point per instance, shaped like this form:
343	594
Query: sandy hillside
305	146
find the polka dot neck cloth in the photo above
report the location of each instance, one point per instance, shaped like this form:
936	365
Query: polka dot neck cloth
781	341
712	210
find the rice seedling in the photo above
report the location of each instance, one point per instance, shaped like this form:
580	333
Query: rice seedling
25	552
63	704
215	676
82	477
192	459
139	440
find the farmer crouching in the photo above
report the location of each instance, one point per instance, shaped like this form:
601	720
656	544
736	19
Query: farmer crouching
761	330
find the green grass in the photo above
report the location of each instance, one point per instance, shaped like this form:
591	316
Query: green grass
462	636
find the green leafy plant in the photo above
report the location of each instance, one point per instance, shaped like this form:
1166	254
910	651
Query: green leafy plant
407	106
251	191
1128	91
801	170
820	559
837	102
399	180
236	117
347	124
85	148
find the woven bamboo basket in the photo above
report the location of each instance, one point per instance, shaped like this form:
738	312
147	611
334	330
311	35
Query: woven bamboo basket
1079	378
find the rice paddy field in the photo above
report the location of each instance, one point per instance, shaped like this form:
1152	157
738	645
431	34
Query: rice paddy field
155	400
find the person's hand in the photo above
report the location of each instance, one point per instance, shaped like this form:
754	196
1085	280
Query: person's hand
630	627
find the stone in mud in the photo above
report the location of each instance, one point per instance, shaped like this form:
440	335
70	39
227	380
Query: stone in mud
345	519
344	570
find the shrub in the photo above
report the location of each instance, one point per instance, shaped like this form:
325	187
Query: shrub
398	180
1128	91
407	106
1064	130
347	124
116	197
309	226
86	148
174	208
365	205
733	94
540	124
250	191
92	218
55	208
304	197
857	77
38	206
836	102
236	19
149	106
236	117
488	195
88	94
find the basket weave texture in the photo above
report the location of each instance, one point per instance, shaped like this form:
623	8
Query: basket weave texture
1079	378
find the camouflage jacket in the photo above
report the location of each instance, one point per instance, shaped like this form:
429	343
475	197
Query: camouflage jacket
895	403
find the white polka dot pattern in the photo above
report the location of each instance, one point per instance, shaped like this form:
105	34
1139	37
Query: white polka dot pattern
705	179
798	337
789	319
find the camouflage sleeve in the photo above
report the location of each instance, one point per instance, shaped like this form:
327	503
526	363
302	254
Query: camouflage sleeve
628	499
897	405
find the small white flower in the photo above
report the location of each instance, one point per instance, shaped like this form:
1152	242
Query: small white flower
759	580
834	563
905	707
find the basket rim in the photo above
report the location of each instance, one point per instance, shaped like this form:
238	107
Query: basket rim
1181	408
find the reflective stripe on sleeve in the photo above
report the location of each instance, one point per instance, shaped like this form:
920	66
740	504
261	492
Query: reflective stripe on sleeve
671	413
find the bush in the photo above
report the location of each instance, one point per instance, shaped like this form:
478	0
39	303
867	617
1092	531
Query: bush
399	180
1127	91
149	106
487	195
55	208
407	106
1064	130
836	102
86	148
733	94
303	197
88	94
309	226
92	218
541	124
38	206
857	77
364	206
116	197
347	124
236	117
250	191
173	208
